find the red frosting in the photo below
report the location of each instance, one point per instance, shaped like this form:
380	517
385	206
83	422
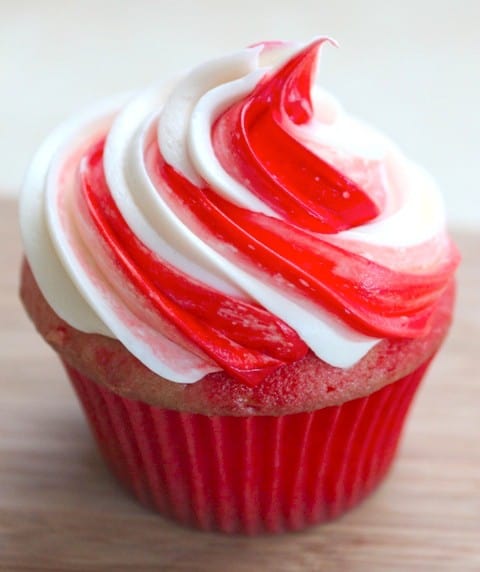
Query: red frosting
253	146
309	195
243	338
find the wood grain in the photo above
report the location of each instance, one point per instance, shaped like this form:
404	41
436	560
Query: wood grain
61	511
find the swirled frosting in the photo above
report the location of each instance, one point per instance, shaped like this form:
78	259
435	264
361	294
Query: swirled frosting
235	218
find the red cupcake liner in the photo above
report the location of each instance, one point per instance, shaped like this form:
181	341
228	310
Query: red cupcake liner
249	474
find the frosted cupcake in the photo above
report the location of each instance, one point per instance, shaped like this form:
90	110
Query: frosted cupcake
246	286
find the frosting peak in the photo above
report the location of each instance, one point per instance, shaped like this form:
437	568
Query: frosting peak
235	219
253	143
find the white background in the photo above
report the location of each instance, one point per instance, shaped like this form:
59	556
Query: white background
410	67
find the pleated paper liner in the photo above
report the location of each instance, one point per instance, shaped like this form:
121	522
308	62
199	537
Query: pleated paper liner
249	474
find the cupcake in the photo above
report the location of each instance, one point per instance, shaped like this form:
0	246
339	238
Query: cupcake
246	286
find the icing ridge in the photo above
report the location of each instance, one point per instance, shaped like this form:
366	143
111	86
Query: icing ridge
235	219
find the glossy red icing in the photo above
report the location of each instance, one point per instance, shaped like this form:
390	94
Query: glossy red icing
371	298
243	338
252	144
309	195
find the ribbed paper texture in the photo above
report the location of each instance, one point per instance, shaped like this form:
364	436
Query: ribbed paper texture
249	474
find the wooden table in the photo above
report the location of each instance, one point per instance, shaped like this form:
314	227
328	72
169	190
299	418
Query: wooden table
60	509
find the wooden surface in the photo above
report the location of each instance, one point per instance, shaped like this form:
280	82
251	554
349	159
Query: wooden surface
61	511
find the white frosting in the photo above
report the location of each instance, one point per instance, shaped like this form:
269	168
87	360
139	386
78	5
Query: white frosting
80	282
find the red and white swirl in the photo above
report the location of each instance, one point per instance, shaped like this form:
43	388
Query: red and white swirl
235	218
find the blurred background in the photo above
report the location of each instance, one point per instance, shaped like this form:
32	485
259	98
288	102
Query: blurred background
410	67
